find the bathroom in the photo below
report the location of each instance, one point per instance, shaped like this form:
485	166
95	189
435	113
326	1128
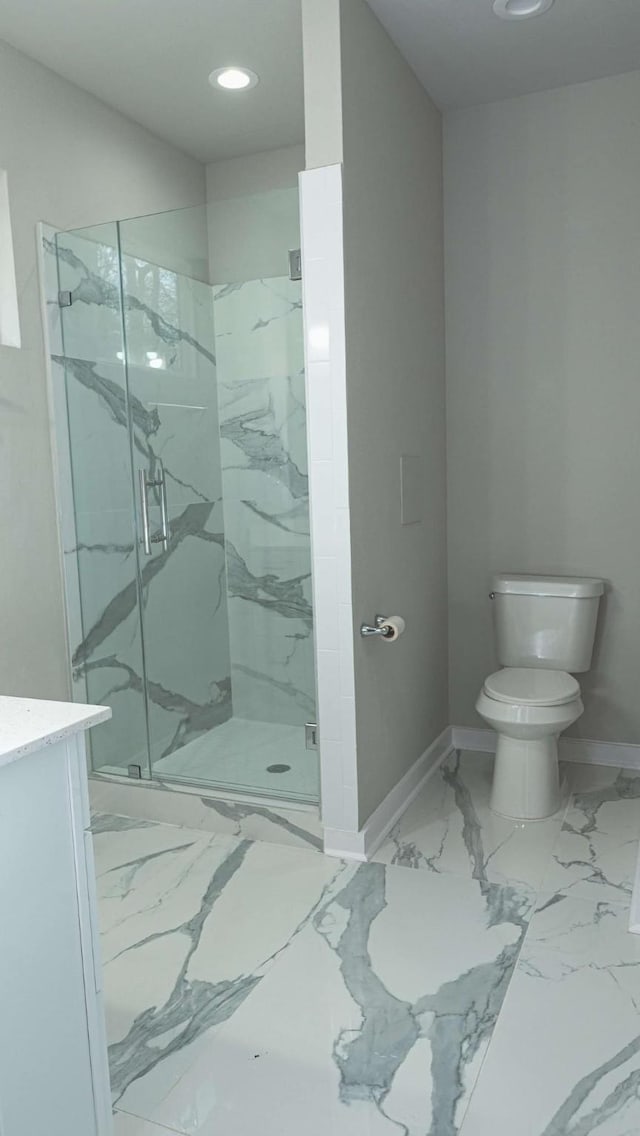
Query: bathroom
222	460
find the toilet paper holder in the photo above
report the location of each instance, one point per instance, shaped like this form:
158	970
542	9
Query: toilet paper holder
380	629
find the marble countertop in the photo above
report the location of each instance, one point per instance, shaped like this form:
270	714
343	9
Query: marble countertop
29	724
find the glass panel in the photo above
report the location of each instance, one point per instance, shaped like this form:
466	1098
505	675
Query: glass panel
203	646
174	421
99	532
266	507
216	385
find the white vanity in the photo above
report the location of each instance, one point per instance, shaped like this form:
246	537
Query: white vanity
54	1077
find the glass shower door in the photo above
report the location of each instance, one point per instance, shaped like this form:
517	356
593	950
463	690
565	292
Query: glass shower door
95	483
181	424
169	343
216	386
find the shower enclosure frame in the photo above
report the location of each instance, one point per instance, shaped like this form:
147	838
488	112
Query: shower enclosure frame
62	460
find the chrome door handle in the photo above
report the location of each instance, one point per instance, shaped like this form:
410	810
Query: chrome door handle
160	483
164	512
144	510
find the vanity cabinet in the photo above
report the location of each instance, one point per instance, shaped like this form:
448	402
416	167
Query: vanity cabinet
54	1077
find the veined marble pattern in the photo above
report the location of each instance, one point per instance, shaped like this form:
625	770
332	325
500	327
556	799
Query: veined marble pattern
449	828
596	853
420	997
250	985
589	847
565	1057
244	568
261	395
186	806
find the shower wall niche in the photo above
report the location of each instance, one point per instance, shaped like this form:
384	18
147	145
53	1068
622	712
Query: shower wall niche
180	430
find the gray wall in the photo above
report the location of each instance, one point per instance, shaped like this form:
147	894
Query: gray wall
71	161
322	82
254	214
543	357
393	262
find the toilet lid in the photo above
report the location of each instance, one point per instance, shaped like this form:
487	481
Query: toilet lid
529	686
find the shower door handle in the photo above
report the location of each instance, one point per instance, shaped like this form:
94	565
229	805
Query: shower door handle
144	511
160	483
163	536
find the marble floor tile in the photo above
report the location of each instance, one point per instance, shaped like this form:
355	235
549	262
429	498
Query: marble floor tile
565	1056
258	987
596	852
373	1019
449	828
264	822
126	1125
102	822
186	940
296	827
128	849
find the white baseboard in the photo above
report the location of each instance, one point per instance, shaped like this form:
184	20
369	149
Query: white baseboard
362	845
583	750
344	844
478	741
600	753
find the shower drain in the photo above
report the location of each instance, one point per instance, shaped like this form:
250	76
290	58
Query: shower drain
278	768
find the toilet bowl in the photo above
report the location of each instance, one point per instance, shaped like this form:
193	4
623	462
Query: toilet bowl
544	634
528	709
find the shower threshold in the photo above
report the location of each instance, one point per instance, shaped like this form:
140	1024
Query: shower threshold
242	759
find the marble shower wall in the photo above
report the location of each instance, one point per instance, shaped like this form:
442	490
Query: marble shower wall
172	401
263	445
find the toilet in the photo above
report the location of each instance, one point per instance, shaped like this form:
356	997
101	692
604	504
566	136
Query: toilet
544	628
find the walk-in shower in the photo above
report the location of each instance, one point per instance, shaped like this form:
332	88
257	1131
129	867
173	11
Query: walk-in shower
180	429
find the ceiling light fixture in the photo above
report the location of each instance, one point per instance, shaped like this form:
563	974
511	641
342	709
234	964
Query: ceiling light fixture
520	9
233	78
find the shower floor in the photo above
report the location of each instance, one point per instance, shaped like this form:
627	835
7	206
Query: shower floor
250	757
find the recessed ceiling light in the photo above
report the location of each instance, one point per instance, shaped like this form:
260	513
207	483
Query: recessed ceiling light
520	9
233	78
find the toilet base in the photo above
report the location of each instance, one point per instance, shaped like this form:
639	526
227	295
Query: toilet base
526	778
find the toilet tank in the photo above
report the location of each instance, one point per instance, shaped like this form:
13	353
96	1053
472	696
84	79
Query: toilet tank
545	621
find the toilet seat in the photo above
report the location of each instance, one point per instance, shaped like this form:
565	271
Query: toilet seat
529	686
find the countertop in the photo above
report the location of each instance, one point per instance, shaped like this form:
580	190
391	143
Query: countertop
29	724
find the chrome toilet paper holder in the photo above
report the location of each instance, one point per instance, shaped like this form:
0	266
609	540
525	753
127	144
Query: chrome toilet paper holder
379	629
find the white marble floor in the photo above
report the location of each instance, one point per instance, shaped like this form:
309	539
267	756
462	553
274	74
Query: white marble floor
186	806
477	980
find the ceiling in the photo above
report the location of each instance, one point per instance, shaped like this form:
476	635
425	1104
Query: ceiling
465	55
151	60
